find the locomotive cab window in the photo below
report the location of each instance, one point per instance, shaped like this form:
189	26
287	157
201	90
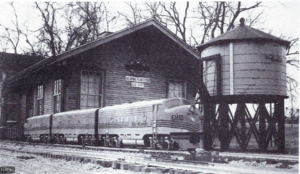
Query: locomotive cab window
185	102
173	103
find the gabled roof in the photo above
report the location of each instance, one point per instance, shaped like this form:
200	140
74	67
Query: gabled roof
242	33
103	40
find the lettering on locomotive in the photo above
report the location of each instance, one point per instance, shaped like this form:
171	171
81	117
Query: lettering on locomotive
179	117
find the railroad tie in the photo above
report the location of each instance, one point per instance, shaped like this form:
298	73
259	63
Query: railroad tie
137	168
115	165
146	169
108	163
101	163
124	166
130	166
160	170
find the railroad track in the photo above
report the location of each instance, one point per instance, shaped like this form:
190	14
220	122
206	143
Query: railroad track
277	157
182	154
136	157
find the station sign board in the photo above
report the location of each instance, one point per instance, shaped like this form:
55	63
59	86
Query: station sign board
137	79
137	85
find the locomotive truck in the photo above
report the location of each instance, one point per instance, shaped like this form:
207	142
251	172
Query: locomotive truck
167	123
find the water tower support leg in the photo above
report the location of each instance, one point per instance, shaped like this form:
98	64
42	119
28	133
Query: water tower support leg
243	127
224	126
208	115
262	126
279	111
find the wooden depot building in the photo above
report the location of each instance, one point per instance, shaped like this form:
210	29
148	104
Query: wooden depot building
143	62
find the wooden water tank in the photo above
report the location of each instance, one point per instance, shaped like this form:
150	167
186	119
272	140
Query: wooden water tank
252	63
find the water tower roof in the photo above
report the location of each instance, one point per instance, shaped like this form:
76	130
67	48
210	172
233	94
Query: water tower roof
243	33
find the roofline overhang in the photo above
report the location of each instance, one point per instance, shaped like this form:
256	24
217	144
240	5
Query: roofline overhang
106	39
217	42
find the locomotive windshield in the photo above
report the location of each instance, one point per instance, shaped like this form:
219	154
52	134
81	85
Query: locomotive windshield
185	102
176	102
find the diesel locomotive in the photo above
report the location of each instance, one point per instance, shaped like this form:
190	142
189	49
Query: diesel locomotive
167	123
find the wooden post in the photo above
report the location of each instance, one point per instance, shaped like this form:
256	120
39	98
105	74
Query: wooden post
279	108
243	127
224	126
208	113
262	127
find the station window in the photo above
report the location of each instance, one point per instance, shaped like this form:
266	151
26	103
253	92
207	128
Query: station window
91	89
176	88
57	95
40	100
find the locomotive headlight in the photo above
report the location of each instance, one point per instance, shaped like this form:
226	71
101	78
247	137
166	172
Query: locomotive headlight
192	108
193	119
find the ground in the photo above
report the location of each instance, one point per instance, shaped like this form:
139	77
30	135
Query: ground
27	164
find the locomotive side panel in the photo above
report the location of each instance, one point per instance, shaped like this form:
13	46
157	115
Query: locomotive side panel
128	121
142	123
37	127
70	125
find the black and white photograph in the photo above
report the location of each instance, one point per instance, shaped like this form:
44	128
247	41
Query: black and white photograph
158	87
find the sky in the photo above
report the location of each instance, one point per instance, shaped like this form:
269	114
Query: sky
279	18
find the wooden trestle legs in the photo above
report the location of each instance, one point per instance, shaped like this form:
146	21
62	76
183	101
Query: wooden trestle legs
279	115
262	125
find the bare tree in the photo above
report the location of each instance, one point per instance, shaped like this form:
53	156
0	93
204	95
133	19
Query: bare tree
83	23
12	35
218	17
50	34
173	16
86	20
135	16
292	84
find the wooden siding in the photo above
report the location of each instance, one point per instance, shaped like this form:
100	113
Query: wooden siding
110	59
71	87
253	73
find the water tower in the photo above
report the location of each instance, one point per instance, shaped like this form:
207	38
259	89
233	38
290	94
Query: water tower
245	66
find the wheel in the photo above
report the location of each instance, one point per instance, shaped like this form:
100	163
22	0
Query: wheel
65	141
45	139
48	139
61	140
119	144
41	139
165	145
55	139
82	138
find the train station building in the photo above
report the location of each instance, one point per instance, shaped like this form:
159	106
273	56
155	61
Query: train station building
144	62
147	61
